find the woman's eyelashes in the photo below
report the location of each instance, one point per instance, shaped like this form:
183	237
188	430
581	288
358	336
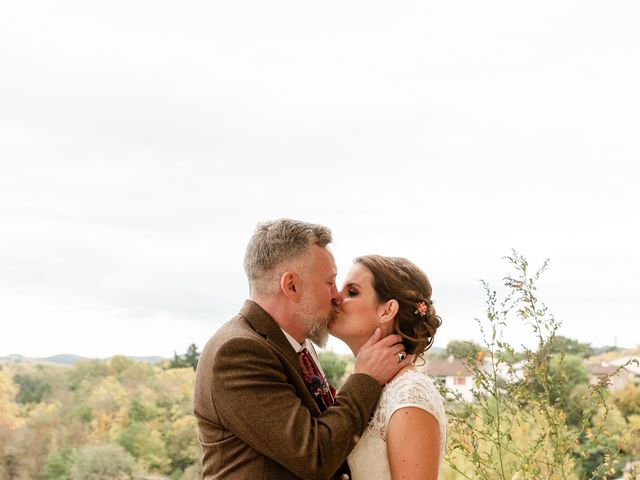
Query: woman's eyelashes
352	292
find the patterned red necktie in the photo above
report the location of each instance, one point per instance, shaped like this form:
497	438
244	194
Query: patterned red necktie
323	393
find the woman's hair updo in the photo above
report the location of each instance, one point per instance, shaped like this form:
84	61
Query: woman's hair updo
396	278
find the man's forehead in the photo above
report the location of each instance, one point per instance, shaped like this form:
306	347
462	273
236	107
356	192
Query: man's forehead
325	257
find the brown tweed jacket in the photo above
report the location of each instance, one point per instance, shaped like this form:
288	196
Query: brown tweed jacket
256	419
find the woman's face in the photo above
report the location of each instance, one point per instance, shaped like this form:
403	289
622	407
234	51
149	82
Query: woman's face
359	314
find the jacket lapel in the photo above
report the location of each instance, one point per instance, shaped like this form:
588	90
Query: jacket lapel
267	327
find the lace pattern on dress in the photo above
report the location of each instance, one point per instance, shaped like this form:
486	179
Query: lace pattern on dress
413	388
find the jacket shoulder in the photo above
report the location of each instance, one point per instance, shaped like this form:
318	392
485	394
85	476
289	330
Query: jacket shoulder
238	330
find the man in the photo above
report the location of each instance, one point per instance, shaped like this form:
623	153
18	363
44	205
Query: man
260	416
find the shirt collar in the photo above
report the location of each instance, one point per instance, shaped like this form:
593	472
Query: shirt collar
310	349
294	343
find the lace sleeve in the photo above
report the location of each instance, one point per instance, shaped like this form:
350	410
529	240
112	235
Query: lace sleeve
416	389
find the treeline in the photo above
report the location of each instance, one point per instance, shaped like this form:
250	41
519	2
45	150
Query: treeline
97	420
558	344
535	413
126	419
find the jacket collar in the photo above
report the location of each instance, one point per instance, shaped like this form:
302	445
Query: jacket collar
265	325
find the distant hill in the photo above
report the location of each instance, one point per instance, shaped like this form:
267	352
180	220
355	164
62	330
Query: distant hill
63	359
70	360
152	360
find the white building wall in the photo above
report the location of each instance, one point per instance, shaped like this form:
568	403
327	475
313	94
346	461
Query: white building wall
465	391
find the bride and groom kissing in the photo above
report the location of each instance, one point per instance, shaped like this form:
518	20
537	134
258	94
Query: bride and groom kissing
263	406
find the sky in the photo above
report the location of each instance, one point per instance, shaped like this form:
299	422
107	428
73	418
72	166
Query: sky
141	142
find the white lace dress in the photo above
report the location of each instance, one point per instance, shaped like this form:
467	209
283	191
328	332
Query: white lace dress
412	388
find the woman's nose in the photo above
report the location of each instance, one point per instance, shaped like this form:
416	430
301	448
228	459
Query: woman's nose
336	298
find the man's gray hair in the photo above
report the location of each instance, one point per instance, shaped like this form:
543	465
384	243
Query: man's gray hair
273	243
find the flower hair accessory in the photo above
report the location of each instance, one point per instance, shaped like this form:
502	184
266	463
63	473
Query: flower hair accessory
421	309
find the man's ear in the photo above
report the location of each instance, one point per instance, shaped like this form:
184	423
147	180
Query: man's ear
290	285
388	311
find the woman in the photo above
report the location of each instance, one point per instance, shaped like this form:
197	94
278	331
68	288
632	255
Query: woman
406	436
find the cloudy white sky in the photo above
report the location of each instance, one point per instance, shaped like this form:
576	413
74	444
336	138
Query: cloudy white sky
140	142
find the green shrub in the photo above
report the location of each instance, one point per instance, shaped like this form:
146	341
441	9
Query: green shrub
537	419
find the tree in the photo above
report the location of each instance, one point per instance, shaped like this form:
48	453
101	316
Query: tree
59	465
192	356
145	444
632	436
463	349
10	425
8	392
182	448
597	447
628	400
85	372
569	346
103	462
142	411
334	366
120	363
566	373
193	472
189	359
31	388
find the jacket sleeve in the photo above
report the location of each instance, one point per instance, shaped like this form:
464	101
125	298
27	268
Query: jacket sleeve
256	402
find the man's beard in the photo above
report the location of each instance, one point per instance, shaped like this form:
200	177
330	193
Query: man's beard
318	328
